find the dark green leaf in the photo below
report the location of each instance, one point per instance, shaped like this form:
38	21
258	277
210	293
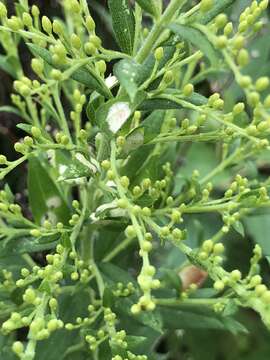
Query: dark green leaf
197	39
127	72
258	227
123	24
44	196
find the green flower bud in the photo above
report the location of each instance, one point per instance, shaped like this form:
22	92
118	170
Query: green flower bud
206	5
238	108
35	232
228	29
264	4
3	11
245	81
27	19
35	11
254	98
243	26
19	147
188	90
255	280
222	42
130	232
168	77
3	160
239	42
219	285
101	66
90	24
75	41
235	275
260	289
208	246
58	27
46	24
36	132
14	23
159	53
243	57
218	249
28	141
38	66
29	296
56	74
262	83
75	7
17	347
221	20
122	203
90	48
95	40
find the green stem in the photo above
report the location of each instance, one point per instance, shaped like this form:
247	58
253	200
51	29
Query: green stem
171	11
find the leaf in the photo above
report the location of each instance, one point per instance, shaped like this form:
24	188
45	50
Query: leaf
201	319
134	140
127	72
123	24
152	125
198	39
238	227
44	196
148	6
171	279
219	7
23	245
83	75
258	227
159	103
10	109
7	66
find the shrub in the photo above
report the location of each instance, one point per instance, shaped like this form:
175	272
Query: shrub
137	181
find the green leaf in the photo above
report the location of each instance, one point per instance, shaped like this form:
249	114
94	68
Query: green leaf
166	104
123	24
152	125
201	319
84	75
171	279
10	109
197	39
219	7
149	6
127	72
258	227
23	245
44	196
238	227
7	65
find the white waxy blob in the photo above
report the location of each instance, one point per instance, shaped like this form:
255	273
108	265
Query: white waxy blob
118	115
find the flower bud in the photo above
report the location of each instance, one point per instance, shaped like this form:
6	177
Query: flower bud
75	41
27	19
262	83
243	57
159	53
3	11
37	66
46	24
206	5
90	24
188	90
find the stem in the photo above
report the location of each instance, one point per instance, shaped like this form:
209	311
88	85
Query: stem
170	12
